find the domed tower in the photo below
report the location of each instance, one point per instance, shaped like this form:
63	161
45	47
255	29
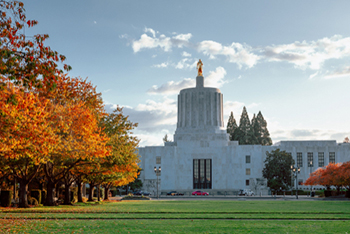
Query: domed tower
200	116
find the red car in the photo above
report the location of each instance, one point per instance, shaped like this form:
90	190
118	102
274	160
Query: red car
196	193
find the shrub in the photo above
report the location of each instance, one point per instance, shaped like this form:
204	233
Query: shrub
36	193
33	201
5	198
74	195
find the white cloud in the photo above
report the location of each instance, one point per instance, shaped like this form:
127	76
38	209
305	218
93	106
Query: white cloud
340	73
311	54
162	65
95	22
313	75
150	31
172	87
215	78
185	54
164	42
235	53
186	63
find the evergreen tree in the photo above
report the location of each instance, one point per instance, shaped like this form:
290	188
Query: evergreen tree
263	134
231	126
254	131
243	132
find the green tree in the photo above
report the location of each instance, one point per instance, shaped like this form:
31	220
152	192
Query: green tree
231	126
255	131
277	169
264	135
243	133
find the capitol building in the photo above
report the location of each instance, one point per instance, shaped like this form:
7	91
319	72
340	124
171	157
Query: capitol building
202	156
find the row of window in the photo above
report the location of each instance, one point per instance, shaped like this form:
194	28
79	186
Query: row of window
310	159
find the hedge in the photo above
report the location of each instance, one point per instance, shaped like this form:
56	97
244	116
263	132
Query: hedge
6	197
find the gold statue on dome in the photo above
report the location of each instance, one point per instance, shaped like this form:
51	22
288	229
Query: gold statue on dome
199	67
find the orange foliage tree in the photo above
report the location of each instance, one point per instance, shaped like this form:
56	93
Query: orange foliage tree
26	138
25	60
120	166
76	108
327	176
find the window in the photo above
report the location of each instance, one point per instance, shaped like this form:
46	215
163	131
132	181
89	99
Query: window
320	159
300	182
247	159
310	159
158	160
331	157
299	159
247	171
202	174
289	153
246	182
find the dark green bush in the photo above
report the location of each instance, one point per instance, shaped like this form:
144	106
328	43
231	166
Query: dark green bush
36	193
5	198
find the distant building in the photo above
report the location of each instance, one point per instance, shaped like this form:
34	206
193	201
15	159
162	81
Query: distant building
202	157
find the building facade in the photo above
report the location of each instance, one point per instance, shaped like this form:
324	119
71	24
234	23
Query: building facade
202	157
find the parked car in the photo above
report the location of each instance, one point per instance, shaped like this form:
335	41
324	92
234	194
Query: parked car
246	192
174	193
140	192
196	193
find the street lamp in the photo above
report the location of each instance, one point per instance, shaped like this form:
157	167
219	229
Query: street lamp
157	171
310	175
295	172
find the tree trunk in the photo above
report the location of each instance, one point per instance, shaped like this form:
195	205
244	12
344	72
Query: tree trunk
98	193
49	196
80	193
67	194
91	190
106	192
23	198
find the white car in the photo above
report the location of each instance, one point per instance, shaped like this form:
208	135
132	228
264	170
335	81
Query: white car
246	192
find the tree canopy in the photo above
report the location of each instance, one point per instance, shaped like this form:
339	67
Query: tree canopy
277	169
248	132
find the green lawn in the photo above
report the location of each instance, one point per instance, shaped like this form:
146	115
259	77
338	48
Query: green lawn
203	216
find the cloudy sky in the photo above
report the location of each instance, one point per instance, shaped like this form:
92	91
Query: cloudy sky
288	59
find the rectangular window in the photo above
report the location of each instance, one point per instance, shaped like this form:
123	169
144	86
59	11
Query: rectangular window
299	159
300	182
320	159
202	174
158	160
246	182
289	153
247	171
247	159
331	157
310	159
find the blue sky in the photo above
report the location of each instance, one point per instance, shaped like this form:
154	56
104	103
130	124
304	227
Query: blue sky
288	59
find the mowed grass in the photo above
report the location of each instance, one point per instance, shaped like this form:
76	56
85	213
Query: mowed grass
182	216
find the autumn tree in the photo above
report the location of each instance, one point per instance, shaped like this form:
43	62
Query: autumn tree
123	160
277	169
328	176
75	109
25	60
26	138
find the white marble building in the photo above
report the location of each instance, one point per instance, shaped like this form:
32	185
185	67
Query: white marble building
202	157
